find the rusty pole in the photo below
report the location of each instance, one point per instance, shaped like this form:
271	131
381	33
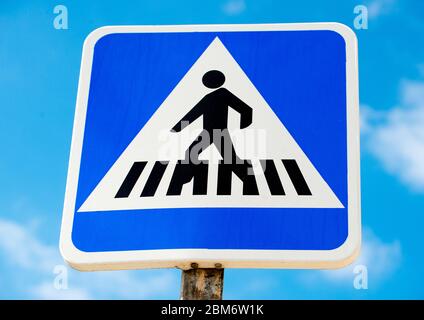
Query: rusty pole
202	283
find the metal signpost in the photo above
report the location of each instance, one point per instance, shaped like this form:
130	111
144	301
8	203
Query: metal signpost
206	147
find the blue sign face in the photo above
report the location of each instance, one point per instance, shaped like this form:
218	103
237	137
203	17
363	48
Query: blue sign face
283	190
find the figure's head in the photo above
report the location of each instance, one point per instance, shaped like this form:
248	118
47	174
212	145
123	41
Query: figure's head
213	79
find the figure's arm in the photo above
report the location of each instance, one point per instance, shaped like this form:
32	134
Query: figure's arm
192	115
242	108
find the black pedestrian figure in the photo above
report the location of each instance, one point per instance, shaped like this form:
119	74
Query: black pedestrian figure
214	109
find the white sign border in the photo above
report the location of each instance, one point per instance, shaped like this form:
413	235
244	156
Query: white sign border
207	258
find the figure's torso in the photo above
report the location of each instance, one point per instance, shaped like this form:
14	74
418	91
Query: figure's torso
215	115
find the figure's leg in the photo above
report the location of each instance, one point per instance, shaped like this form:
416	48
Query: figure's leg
224	144
196	148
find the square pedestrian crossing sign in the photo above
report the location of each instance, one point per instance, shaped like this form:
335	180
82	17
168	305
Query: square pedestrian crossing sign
230	144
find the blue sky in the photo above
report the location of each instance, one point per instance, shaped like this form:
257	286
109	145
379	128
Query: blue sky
39	68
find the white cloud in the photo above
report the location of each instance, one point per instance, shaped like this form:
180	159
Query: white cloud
234	7
380	258
124	285
24	253
370	118
23	250
396	137
377	8
47	291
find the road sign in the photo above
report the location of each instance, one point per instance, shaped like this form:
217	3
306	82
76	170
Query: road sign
230	144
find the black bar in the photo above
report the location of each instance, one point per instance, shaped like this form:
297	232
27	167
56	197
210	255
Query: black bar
212	309
153	181
243	171
131	179
184	173
272	178
296	177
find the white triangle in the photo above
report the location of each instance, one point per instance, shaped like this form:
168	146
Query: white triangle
265	138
